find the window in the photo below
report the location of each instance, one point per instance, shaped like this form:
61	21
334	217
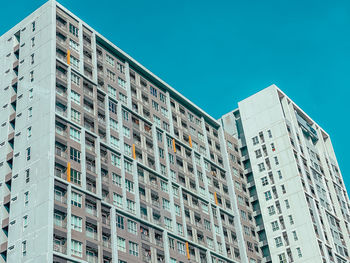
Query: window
30	112
264	181
168	223
115	142
129	186
299	252
33	26
261	167
133	249
33	41
115	160
258	153
25	222
73	30
121	68
76	223
74	155
162	97
32	59
276	160
268	195
207	225
75	79
75	116
24	248
75	97
269	133
28	153
29	132
130	205
113	124
179	228
164	186
74	45
26	198
27	178
255	140
123	98
176	191
271	210
181	248
74	62
274	225
121	83
126	132
278	241
112	91
75	176
177	210
132	227
282	258
112	107
76	199
77	248
166	204
117	179
153	91
155	105
117	200
295	236
31	76
121	244
127	150
291	221
120	222
75	134
110	75
287	203
110	60
127	166
164	112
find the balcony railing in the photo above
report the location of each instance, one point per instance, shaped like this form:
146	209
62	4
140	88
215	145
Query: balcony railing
91	211
61	111
91	234
60	152
60	198
106	243
59	248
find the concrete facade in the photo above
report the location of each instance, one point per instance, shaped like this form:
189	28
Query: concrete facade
296	186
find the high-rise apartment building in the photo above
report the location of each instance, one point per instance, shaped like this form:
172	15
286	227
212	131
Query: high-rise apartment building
102	161
298	195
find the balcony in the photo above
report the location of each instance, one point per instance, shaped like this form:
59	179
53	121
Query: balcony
91	232
59	248
61	110
61	75
60	152
60	198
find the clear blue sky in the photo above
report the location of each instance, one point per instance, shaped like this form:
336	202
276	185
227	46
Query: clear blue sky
218	53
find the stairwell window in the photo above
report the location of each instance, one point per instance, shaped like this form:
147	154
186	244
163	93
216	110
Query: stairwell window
24	248
27	175
28	153
29	132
